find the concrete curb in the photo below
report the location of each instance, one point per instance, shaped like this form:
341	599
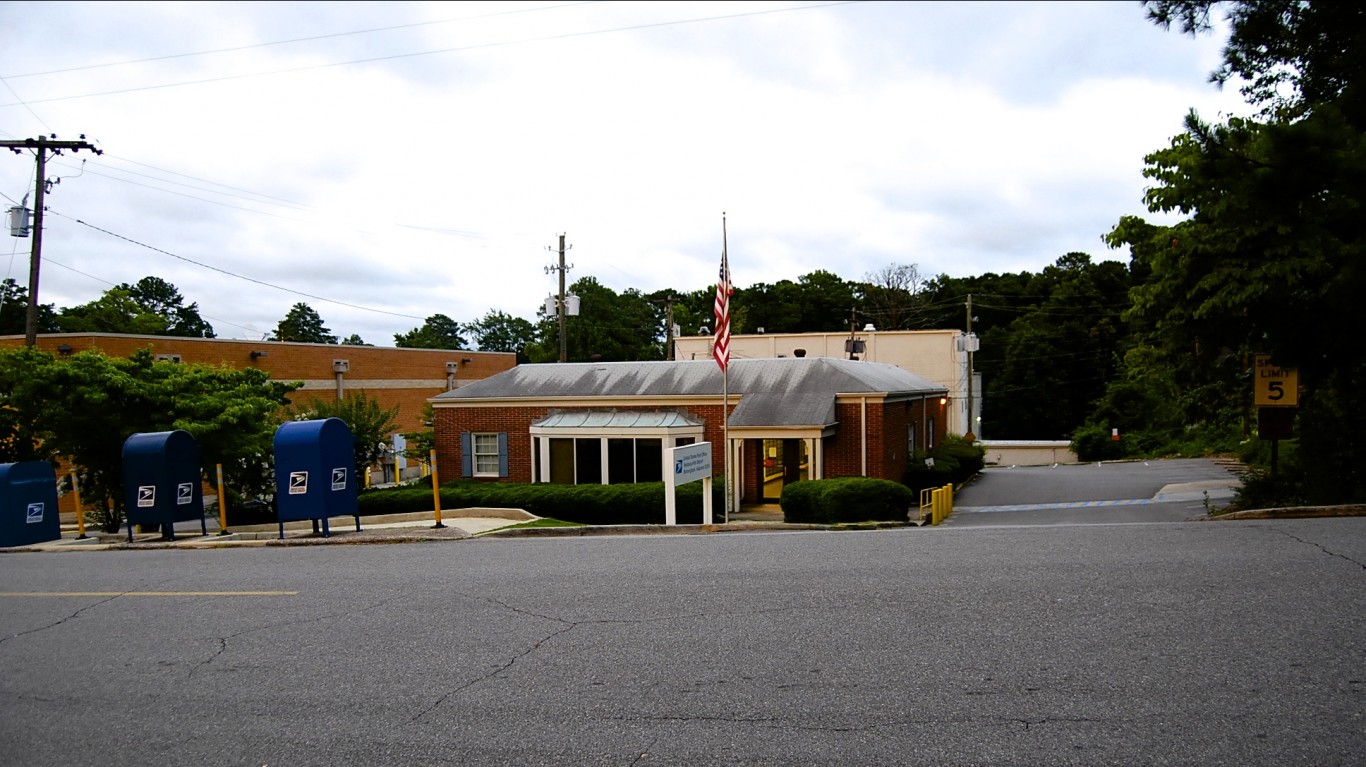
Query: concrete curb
1293	512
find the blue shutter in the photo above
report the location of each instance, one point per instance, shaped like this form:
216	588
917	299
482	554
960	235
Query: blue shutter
466	454
502	454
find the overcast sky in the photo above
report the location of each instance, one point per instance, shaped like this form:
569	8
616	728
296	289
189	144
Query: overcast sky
383	162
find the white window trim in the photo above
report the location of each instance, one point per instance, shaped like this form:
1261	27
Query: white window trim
476	455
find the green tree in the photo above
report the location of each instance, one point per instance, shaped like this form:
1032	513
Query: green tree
437	332
160	297
817	302
371	425
1270	255
354	340
24	377
1056	357
501	332
418	445
303	324
14	311
609	327
152	306
85	407
114	312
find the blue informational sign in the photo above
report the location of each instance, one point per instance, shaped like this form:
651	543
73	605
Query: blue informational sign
690	463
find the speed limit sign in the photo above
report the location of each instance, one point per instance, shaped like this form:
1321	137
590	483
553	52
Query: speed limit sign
1274	386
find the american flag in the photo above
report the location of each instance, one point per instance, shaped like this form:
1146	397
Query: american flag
721	346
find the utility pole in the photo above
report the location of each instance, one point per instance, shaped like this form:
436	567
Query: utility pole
41	146
559	300
668	301
967	345
851	347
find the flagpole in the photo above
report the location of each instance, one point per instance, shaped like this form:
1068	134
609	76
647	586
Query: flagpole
725	386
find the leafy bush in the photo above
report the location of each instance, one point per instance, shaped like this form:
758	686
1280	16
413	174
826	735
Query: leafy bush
954	461
1263	490
969	456
1093	442
626	504
845	499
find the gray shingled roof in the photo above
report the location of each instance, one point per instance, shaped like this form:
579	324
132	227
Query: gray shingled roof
787	375
763	408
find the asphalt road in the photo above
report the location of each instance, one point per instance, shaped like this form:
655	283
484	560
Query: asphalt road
1110	493
1189	643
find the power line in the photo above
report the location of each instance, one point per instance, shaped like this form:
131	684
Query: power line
113	284
290	41
458	49
234	274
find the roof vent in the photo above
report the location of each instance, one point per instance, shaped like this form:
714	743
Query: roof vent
798	352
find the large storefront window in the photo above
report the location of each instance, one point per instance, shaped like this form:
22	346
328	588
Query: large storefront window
590	447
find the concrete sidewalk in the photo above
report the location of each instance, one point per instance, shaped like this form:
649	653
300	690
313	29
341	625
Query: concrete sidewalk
410	528
397	528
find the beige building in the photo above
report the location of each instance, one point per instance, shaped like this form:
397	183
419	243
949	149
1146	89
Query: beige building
940	356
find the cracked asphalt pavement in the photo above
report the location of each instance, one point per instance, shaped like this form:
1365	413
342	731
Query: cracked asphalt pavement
1166	643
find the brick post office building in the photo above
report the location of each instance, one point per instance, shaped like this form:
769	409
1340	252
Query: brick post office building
610	422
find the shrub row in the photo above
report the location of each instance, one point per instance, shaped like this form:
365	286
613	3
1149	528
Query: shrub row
627	504
846	499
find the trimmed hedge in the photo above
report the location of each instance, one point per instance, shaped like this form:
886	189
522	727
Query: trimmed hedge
846	499
626	504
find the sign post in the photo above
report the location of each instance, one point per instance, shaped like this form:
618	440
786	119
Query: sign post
1275	392
685	464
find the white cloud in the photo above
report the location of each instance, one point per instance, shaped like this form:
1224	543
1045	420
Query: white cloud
964	137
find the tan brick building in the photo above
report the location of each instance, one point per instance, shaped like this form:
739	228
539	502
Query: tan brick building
406	378
940	356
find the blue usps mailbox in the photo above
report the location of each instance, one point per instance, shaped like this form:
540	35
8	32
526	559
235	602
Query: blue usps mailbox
315	473
161	481
28	503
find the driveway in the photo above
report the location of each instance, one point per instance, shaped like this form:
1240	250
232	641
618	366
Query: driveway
1168	490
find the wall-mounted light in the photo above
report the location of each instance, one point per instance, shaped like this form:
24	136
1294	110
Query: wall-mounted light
63	349
465	360
257	354
943	401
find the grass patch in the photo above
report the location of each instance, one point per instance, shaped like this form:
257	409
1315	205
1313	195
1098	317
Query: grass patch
542	522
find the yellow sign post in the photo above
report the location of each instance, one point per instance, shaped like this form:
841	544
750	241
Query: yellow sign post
1274	386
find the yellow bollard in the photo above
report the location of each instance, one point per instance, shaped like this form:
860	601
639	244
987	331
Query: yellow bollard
436	492
80	513
222	504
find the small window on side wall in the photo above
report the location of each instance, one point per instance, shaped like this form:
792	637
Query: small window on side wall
484	454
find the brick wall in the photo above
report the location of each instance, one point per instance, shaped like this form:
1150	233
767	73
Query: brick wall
451	422
886	424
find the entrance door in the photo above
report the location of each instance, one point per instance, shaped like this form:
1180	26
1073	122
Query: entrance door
781	461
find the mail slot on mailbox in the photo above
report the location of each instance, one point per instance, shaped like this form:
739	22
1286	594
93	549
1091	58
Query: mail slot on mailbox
161	481
28	503
314	472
